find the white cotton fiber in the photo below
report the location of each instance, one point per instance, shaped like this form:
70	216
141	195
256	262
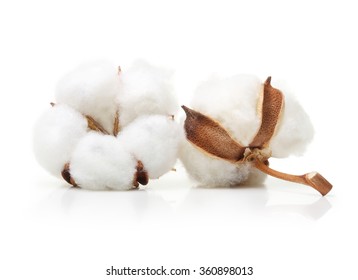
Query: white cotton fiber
146	89
56	133
154	140
209	171
100	162
294	131
92	89
234	103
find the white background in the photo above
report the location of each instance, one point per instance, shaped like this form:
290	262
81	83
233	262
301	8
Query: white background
283	230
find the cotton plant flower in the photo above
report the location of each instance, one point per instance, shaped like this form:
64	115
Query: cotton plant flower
235	125
105	129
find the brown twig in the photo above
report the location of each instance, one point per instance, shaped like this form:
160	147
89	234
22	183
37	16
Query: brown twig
312	179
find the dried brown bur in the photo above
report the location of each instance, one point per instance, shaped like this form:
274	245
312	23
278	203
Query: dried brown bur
209	136
66	175
141	176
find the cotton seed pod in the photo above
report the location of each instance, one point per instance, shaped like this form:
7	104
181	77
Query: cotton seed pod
215	142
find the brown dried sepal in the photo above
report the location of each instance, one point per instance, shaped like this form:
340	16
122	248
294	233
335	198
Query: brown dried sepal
116	124
270	110
66	175
211	137
141	176
94	125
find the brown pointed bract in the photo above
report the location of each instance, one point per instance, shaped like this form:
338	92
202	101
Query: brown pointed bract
116	125
94	125
211	137
272	104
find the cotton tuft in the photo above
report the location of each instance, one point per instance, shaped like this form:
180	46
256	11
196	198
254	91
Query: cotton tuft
56	133
100	162
154	140
92	89
146	90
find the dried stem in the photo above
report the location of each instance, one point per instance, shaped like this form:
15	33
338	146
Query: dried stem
313	179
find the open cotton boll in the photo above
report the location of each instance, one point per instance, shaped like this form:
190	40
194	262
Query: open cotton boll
154	140
212	172
234	103
145	90
92	89
56	133
100	162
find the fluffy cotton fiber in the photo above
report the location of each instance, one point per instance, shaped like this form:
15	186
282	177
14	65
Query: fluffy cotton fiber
56	133
211	172
145	90
100	162
233	102
154	140
92	89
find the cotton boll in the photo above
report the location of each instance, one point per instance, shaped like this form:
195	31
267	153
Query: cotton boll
56	133
145	90
212	172
154	140
100	162
294	131
92	89
233	102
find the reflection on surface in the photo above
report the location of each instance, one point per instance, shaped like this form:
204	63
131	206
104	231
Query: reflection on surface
183	205
315	210
189	205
